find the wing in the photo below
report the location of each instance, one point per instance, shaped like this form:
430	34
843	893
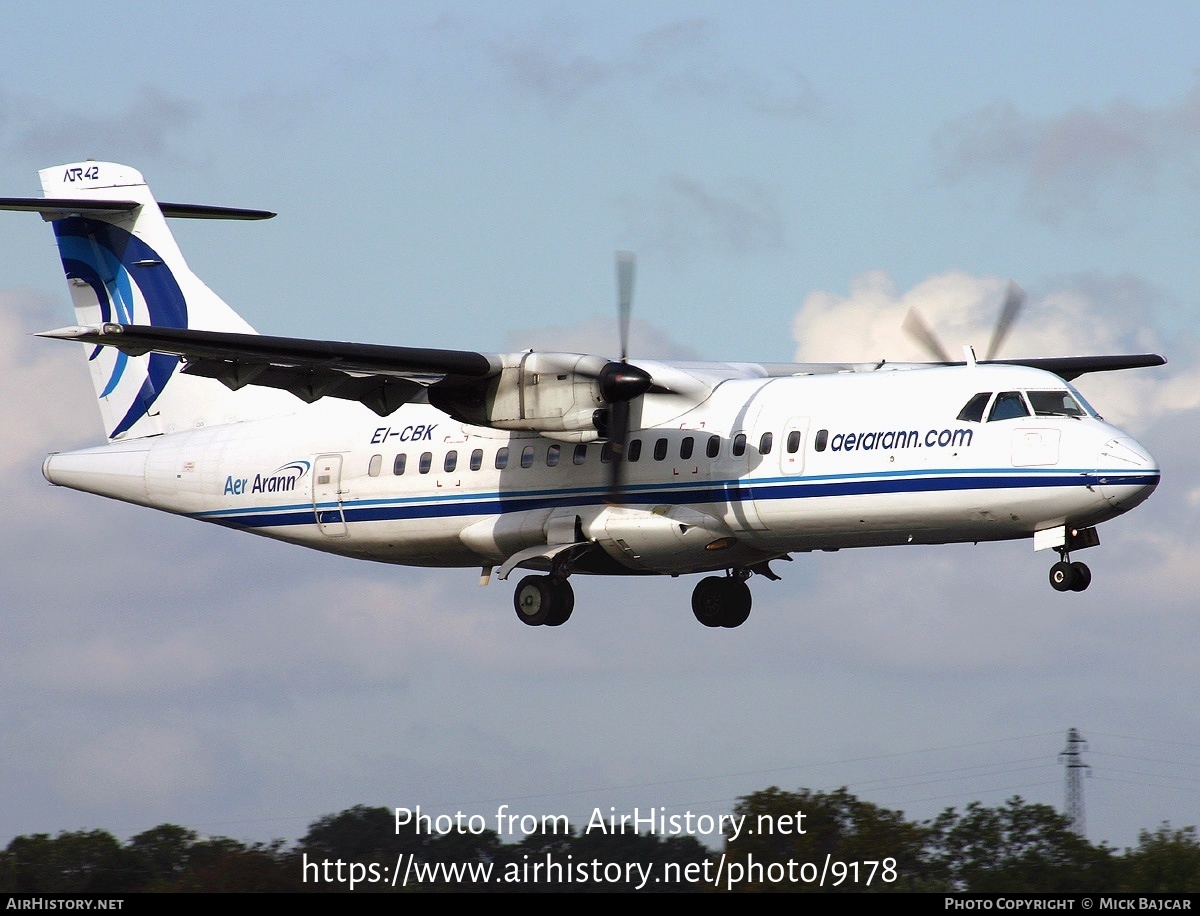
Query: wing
381	377
545	392
1071	367
1065	367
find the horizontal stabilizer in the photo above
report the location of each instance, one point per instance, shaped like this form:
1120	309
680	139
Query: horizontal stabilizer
60	207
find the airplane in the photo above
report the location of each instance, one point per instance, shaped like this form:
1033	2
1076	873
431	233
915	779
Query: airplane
559	463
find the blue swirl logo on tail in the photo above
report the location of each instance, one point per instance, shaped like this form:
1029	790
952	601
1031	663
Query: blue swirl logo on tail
114	263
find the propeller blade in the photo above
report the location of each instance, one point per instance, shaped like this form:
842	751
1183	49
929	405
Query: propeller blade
916	328
1014	301
620	382
618	435
626	266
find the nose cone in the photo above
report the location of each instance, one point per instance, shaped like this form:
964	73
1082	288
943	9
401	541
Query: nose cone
1127	473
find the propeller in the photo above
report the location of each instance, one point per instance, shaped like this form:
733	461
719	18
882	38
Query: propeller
626	267
1014	301
620	382
916	327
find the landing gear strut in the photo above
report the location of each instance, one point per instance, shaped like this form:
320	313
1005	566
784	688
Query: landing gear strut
544	601
722	601
1066	576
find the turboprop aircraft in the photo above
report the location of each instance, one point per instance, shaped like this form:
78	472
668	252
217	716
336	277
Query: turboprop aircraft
559	463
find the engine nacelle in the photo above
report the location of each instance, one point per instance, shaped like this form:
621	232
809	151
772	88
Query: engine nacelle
554	394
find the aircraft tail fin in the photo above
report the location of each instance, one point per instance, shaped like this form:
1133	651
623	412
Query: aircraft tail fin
123	265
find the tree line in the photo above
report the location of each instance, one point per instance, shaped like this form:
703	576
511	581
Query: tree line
1014	847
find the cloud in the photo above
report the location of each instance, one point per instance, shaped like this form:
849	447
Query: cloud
680	60
146	127
1078	162
556	79
36	368
865	325
1086	315
682	214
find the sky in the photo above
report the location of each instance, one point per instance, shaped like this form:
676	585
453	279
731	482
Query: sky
458	175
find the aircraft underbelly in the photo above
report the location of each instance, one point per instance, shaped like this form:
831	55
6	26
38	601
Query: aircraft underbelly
661	538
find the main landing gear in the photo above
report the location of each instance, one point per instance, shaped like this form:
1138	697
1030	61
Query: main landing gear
1066	576
722	601
717	601
544	601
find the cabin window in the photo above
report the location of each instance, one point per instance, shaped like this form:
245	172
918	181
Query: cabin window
686	446
793	442
527	456
739	445
375	465
426	462
553	453
660	449
1009	405
476	459
606	452
765	443
634	451
451	461
501	458
399	463
973	411
821	440
580	454
714	446
1054	404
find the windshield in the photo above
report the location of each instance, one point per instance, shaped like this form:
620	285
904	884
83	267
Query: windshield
1080	399
1054	404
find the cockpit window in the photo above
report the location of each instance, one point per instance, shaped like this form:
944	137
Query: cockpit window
1082	402
1054	404
973	411
1009	405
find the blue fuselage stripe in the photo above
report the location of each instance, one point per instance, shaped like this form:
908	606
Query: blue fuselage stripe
458	505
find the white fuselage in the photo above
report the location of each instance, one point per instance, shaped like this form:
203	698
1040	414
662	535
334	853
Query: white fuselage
827	461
